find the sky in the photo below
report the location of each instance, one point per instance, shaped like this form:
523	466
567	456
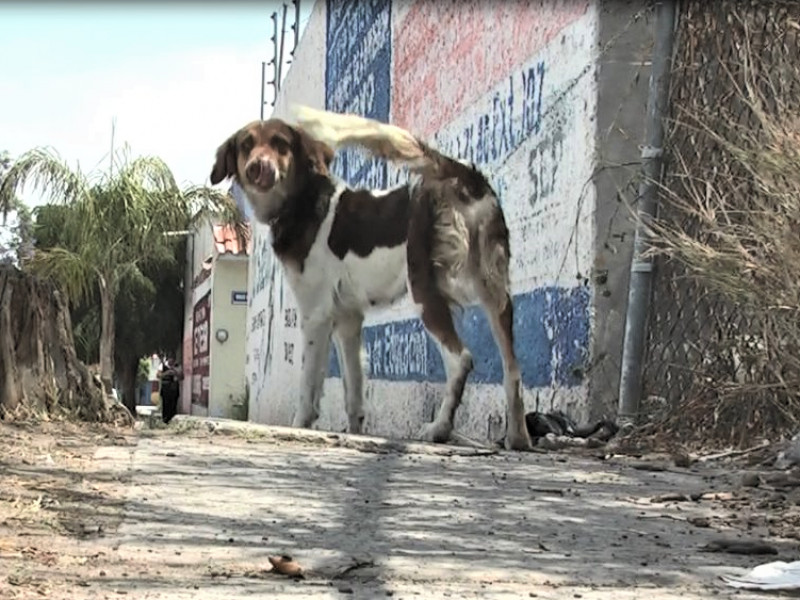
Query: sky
176	78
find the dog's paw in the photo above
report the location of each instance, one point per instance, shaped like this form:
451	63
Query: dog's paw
355	425
304	419
518	440
517	436
437	432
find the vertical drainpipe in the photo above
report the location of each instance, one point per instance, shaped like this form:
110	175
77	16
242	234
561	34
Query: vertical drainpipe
639	290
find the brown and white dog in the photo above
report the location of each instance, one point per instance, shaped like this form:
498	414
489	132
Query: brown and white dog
346	250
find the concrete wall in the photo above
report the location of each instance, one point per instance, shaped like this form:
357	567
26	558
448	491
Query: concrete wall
199	247
227	359
512	87
626	32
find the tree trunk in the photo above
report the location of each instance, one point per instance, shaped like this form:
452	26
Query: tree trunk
128	367
39	370
107	333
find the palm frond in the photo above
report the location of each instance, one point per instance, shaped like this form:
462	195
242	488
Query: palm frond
71	271
218	206
132	275
86	333
48	173
149	173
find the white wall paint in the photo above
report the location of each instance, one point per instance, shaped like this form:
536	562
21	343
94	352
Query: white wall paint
538	86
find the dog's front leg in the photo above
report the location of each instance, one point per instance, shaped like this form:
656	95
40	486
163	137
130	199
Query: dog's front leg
316	347
348	337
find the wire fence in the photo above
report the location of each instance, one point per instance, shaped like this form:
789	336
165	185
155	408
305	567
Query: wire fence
713	369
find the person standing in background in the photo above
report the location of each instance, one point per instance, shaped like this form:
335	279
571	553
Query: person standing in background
170	389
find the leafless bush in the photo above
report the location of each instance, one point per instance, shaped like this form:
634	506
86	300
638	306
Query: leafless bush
732	224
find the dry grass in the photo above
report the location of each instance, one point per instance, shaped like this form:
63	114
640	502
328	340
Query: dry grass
56	503
732	226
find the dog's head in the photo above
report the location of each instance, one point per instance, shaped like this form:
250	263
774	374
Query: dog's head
269	160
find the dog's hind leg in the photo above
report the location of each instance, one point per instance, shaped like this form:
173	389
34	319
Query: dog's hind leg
434	309
438	320
347	335
316	347
501	318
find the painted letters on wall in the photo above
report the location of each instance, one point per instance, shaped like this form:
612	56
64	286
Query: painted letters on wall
357	76
200	351
504	102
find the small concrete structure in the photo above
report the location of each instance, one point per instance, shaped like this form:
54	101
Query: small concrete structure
215	322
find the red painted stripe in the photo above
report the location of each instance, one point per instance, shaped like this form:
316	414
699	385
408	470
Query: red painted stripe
447	53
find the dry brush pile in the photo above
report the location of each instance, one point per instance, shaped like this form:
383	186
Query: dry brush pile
729	228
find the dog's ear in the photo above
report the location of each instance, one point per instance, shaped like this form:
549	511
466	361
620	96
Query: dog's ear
318	153
225	165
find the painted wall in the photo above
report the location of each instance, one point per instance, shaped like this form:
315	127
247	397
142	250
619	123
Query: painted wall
201	351
513	88
624	76
200	246
227	359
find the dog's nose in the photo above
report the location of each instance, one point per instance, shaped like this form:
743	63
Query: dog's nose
253	170
261	172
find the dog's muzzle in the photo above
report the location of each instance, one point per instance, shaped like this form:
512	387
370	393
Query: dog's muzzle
261	173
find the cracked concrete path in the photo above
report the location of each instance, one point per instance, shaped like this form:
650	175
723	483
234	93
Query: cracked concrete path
375	519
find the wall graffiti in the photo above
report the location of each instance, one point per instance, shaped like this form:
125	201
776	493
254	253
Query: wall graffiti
543	163
513	114
482	43
551	339
519	132
260	330
186	389
264	265
504	85
201	324
288	352
357	77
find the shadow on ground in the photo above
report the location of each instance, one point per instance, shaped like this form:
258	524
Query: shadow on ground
206	511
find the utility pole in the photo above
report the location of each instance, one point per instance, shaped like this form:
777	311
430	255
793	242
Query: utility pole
111	154
295	28
263	87
280	52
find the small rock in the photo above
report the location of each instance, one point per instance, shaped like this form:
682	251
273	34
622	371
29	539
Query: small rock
702	522
682	460
751	480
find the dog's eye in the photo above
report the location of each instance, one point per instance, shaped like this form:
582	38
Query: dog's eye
247	144
280	145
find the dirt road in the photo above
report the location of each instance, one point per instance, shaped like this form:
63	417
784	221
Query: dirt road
189	513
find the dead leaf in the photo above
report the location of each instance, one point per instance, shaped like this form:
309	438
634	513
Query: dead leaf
285	565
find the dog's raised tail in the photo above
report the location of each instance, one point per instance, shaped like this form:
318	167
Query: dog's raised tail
380	139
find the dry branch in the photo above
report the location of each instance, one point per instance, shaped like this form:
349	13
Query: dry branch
725	341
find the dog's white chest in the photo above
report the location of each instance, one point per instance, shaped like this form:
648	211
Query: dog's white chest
375	280
327	283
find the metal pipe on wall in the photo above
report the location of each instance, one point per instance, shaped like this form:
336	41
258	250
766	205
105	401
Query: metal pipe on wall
295	27
279	77
641	275
263	87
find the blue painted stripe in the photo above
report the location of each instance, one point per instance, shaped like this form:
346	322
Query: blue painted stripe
403	351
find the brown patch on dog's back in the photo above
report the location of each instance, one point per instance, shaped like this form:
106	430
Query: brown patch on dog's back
365	221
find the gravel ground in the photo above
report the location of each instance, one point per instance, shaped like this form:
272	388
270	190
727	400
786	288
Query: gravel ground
196	510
